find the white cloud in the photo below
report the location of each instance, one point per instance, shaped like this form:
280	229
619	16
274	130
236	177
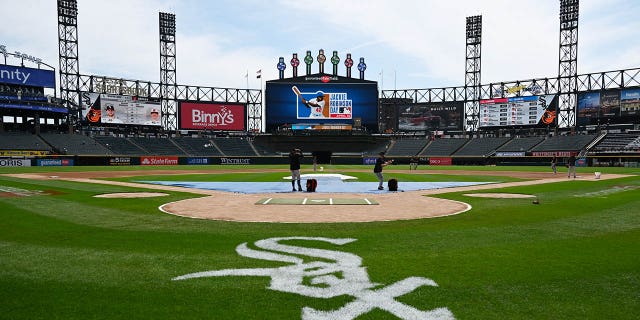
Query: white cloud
418	44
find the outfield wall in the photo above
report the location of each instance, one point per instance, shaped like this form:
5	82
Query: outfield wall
57	161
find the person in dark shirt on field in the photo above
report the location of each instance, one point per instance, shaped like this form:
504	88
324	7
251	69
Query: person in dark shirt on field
571	164
294	165
381	161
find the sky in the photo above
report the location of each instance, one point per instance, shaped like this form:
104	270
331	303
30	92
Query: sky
406	44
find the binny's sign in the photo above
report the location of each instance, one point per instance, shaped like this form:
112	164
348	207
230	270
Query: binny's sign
332	274
212	116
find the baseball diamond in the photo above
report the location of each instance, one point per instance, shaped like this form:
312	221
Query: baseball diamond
300	192
447	241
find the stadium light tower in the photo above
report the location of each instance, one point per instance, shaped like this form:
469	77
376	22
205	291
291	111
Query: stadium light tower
568	65
168	79
472	73
68	58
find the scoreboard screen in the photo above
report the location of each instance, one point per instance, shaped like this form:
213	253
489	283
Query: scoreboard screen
323	100
518	111
609	106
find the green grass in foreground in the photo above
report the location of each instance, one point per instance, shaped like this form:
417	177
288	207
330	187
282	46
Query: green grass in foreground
72	256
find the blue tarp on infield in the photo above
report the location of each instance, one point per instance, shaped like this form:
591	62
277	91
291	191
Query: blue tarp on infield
324	185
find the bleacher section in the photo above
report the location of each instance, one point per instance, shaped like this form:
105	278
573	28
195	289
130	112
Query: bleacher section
520	144
120	146
565	143
443	147
406	147
22	141
353	144
198	147
466	150
375	151
264	149
158	146
481	147
74	144
618	142
235	147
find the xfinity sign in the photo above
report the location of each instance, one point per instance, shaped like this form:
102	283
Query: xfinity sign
27	76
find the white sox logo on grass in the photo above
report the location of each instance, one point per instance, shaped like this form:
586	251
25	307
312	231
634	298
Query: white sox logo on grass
345	276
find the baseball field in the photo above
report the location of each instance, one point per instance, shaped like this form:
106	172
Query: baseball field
101	243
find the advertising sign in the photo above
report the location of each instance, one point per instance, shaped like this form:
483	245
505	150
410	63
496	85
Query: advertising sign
369	160
23	153
589	105
120	161
630	102
191	161
608	106
510	154
440	161
55	162
235	161
431	116
212	116
158	161
27	76
117	109
33	107
6	162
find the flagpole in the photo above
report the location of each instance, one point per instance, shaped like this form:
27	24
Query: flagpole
247	77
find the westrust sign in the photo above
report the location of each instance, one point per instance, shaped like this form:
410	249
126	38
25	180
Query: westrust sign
212	116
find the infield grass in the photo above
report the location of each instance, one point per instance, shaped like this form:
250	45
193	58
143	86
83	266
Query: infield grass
68	255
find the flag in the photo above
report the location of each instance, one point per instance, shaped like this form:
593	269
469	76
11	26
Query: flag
246	75
259	74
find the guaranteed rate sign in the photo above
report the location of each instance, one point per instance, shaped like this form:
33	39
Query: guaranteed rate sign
212	116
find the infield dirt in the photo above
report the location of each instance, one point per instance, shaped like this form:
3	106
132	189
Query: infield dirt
218	205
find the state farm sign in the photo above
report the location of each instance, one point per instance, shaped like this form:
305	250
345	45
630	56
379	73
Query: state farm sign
212	116
158	161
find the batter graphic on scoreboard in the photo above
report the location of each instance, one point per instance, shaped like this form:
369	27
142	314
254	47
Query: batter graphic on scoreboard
321	105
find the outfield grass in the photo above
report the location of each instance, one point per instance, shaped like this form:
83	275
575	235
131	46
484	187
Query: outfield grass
576	255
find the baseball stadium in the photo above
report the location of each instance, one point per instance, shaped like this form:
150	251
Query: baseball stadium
135	199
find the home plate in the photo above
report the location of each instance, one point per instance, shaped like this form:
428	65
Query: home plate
318	201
